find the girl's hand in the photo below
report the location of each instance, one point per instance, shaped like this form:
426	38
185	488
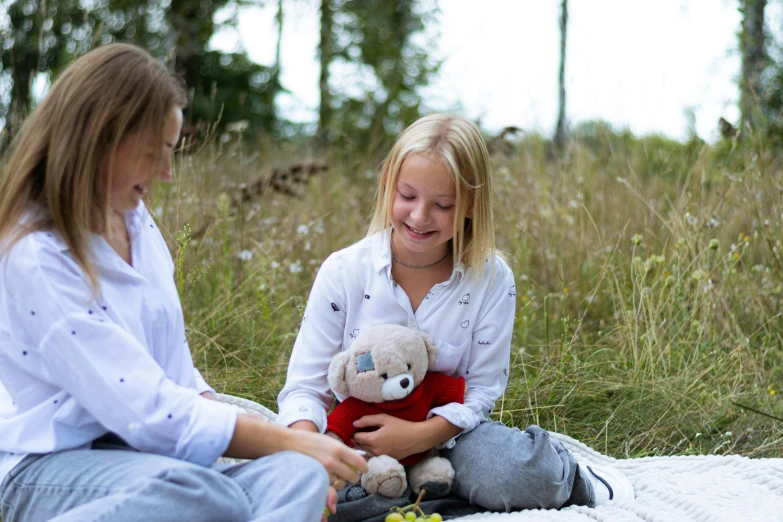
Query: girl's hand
398	438
343	463
254	438
331	503
394	437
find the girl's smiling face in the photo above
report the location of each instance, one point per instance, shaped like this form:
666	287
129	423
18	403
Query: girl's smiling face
139	163
423	208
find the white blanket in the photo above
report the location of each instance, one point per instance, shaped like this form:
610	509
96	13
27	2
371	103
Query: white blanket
706	488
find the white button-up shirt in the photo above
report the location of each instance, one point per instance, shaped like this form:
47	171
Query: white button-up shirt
470	318
73	367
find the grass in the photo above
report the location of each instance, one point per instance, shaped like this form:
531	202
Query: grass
649	277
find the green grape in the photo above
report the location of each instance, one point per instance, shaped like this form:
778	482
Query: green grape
435	517
394	517
420	520
410	516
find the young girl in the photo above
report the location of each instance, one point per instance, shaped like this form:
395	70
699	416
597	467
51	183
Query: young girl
102	413
429	263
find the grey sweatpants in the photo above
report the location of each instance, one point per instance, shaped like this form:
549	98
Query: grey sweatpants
497	469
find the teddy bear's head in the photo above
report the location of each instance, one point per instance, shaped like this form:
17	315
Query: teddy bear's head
385	363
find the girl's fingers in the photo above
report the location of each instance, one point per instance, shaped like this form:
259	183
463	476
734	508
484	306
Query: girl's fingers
344	471
352	458
331	500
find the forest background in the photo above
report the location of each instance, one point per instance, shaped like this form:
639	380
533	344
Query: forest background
649	271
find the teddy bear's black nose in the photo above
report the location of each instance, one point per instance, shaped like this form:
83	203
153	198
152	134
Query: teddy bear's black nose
404	383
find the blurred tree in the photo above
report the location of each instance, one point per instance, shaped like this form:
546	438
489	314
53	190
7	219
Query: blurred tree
387	41
325	55
560	129
234	91
32	43
43	35
753	46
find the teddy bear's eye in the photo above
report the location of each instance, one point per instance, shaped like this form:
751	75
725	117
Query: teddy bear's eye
384	376
409	366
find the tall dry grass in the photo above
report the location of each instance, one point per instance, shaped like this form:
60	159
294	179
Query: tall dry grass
649	278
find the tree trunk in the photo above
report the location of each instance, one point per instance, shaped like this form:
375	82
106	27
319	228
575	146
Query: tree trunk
326	52
560	130
278	63
754	60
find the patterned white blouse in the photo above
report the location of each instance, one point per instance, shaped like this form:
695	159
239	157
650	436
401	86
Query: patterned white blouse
470	318
73	367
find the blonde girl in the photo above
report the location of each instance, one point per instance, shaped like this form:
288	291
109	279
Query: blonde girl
102	413
429	262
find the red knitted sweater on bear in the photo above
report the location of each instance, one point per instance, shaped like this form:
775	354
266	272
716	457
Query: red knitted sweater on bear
435	390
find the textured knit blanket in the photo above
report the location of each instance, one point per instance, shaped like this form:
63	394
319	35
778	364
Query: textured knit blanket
702	488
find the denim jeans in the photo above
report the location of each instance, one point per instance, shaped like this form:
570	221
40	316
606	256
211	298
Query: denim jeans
497	468
112	482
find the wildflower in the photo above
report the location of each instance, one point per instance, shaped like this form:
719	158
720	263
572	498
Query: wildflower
714	244
659	259
698	274
735	255
274	264
224	204
245	255
302	230
636	239
295	267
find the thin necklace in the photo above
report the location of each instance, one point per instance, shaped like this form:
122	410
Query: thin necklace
403	263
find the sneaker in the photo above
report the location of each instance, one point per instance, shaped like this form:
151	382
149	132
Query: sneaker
609	484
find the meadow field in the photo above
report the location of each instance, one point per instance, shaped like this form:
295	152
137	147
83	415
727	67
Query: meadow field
649	278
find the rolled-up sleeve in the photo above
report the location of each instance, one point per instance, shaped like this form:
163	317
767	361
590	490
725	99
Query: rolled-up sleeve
489	356
306	394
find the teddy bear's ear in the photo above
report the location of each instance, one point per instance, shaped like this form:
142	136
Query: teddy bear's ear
432	351
337	378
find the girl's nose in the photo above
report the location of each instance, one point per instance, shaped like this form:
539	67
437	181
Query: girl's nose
419	214
165	174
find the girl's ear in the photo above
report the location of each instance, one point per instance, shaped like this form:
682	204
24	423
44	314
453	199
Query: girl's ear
336	376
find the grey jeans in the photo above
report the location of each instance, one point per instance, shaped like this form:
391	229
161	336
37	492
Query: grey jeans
497	469
116	483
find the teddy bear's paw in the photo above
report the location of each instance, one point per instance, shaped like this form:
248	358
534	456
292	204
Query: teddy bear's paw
390	486
385	476
434	475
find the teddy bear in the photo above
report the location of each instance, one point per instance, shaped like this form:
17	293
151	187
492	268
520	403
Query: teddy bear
385	371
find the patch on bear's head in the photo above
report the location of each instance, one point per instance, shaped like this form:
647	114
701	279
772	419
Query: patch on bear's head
384	363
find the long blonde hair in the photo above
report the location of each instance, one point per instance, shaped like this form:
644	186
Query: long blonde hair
61	161
458	143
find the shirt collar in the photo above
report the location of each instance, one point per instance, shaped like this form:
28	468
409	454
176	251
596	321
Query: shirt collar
134	220
382	256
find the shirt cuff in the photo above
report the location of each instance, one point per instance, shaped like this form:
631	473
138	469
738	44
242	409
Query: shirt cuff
460	416
209	433
301	408
201	384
